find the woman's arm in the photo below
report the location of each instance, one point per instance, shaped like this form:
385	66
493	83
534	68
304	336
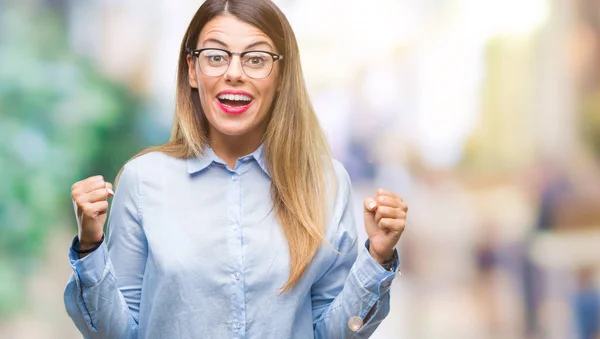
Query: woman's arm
355	285
101	305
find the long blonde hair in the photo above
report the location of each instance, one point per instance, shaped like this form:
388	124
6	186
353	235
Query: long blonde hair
296	150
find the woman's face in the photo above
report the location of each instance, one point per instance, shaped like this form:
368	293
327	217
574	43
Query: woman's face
234	103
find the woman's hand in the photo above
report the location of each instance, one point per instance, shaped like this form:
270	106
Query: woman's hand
90	202
385	219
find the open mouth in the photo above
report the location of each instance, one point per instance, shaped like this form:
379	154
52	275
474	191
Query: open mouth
234	100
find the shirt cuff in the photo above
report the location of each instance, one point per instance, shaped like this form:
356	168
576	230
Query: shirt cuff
371	274
89	269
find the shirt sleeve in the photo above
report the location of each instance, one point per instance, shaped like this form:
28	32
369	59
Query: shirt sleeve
103	296
355	285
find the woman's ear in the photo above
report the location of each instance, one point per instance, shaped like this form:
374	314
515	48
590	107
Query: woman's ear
193	79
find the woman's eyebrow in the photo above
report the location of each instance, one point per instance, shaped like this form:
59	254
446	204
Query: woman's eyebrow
258	43
216	41
252	45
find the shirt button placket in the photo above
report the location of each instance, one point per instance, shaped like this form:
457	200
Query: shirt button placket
235	218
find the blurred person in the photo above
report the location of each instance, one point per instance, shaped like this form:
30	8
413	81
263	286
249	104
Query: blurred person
551	187
241	225
496	294
586	305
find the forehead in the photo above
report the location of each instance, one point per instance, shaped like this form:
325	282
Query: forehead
232	31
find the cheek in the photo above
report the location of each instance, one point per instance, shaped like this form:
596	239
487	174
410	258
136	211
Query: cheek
204	92
270	90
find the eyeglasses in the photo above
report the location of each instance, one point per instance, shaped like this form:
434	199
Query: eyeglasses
214	62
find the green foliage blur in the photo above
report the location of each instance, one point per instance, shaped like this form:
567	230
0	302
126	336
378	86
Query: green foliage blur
60	121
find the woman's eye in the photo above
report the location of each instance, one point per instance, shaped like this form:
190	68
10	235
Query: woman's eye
216	58
255	61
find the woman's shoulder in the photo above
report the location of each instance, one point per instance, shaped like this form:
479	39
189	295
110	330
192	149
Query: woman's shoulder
152	159
342	206
340	185
342	177
338	166
153	163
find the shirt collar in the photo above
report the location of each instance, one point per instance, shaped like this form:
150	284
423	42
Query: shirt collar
197	164
259	156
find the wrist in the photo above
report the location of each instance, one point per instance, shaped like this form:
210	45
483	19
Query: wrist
85	247
382	259
85	243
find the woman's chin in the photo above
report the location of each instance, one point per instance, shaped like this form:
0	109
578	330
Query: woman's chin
233	129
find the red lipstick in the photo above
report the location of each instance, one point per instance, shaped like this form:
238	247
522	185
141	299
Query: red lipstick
234	102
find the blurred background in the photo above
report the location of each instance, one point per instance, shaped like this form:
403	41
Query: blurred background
483	114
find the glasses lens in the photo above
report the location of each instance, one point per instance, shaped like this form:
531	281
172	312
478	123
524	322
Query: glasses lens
257	65
213	62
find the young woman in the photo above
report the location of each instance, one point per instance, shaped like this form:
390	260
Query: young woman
241	226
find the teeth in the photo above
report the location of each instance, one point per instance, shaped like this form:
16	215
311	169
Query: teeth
235	97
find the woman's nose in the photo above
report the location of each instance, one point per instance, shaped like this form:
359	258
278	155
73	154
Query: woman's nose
234	71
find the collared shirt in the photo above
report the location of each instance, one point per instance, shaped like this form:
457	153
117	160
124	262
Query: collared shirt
195	251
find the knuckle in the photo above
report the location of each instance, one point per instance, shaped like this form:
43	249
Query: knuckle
79	200
87	210
386	210
99	184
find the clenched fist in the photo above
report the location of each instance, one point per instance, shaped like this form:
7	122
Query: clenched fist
91	204
385	219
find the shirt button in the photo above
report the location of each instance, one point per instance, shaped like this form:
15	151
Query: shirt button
238	276
237	326
355	323
235	177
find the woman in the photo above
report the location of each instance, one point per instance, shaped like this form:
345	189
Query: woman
241	226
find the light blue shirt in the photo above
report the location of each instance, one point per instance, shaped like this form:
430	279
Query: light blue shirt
195	251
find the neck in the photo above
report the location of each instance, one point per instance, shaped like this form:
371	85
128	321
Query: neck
230	148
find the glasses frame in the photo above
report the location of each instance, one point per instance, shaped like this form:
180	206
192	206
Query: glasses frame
195	53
